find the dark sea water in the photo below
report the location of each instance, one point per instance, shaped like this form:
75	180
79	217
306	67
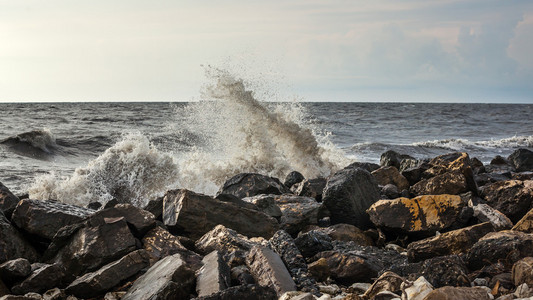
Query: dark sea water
80	152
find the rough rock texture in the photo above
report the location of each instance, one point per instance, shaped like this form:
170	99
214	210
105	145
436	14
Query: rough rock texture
391	175
41	280
297	212
507	246
522	271
387	282
485	213
223	239
13	270
452	242
414	174
526	223
348	194
268	270
418	290
98	282
363	165
347	233
236	201
266	204
453	183
512	197
293	178
251	184
140	220
8	201
155	206
248	292
196	214
310	188
313	242
419	215
214	275
283	244
522	160
12	243
454	293
445	270
393	159
160	243
45	218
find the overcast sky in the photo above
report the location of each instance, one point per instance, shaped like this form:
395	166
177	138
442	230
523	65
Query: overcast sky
352	50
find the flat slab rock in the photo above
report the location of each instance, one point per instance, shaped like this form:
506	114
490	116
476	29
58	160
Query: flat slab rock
269	270
214	275
140	220
247	291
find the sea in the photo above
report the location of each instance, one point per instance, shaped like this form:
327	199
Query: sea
85	152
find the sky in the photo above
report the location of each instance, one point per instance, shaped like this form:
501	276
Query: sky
335	50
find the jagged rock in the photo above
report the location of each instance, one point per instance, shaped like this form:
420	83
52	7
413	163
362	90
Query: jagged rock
409	163
140	220
363	165
297	212
522	176
45	218
283	244
488	178
196	214
15	269
313	242
214	275
55	294
418	290
12	243
348	194
523	291
224	240
251	184
390	191
507	245
8	201
387	282
485	213
169	278
525	224
453	293
41	280
236	201
522	271
445	270
347	233
521	160
502	283
241	275
248	292
452	183
268	270
420	215
266	204
512	197
96	245
392	158
390	175
452	242
310	188
160	243
414	174
155	206
293	178
97	283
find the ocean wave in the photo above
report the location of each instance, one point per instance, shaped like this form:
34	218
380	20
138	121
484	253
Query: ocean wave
461	144
36	143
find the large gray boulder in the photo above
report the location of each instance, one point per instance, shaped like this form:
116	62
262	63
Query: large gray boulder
297	212
269	270
251	184
348	194
214	275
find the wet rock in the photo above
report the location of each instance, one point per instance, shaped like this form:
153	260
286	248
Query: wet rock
293	178
499	160
393	159
453	293
508	246
41	280
97	283
251	184
391	175
521	160
409	163
224	240
268	270
526	223
196	214
45	218
522	271
283	244
141	221
348	194
313	242
160	243
485	213
417	290
513	197
347	233
452	242
297	212
12	243
310	188
445	270
214	275
420	215
169	278
452	183
14	270
502	283
265	204
387	282
8	201
363	165
248	292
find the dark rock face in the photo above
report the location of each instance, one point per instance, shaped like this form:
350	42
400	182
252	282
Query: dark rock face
12	243
363	165
310	188
390	175
224	240
507	246
155	206
160	243
248	292
313	242
8	201
445	271
347	233
196	214
45	218
452	183
266	204
522	160
293	178
13	270
236	201
214	275
297	212
41	280
464	293
414	174
169	278
523	271
268	270
514	198
393	159
348	194
251	184
140	220
98	282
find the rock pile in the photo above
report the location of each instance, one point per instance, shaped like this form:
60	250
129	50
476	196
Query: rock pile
445	228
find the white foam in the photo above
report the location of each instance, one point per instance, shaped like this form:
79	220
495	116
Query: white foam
461	144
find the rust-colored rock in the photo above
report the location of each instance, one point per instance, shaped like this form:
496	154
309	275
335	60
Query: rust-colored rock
453	183
514	198
391	175
525	224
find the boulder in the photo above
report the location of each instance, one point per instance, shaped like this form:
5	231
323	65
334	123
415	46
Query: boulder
445	270
248	292
417	290
97	283
297	212
266	204
414	174
347	233
409	163
159	243
488	178
310	188
293	178
236	201
224	240
313	242
348	194
391	175
214	275
485	213
525	224
155	206
522	160
452	183
452	242
458	162
169	278
4	290
422	215
141	221
522	271
393	159
16	269
363	165
12	243
42	279
463	293
389	191
8	201
508	246
268	270
387	282
196	214
251	184
512	197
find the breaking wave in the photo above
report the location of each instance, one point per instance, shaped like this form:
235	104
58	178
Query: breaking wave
461	144
37	143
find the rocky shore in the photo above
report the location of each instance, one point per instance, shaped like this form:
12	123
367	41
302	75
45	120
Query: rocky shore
443	228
